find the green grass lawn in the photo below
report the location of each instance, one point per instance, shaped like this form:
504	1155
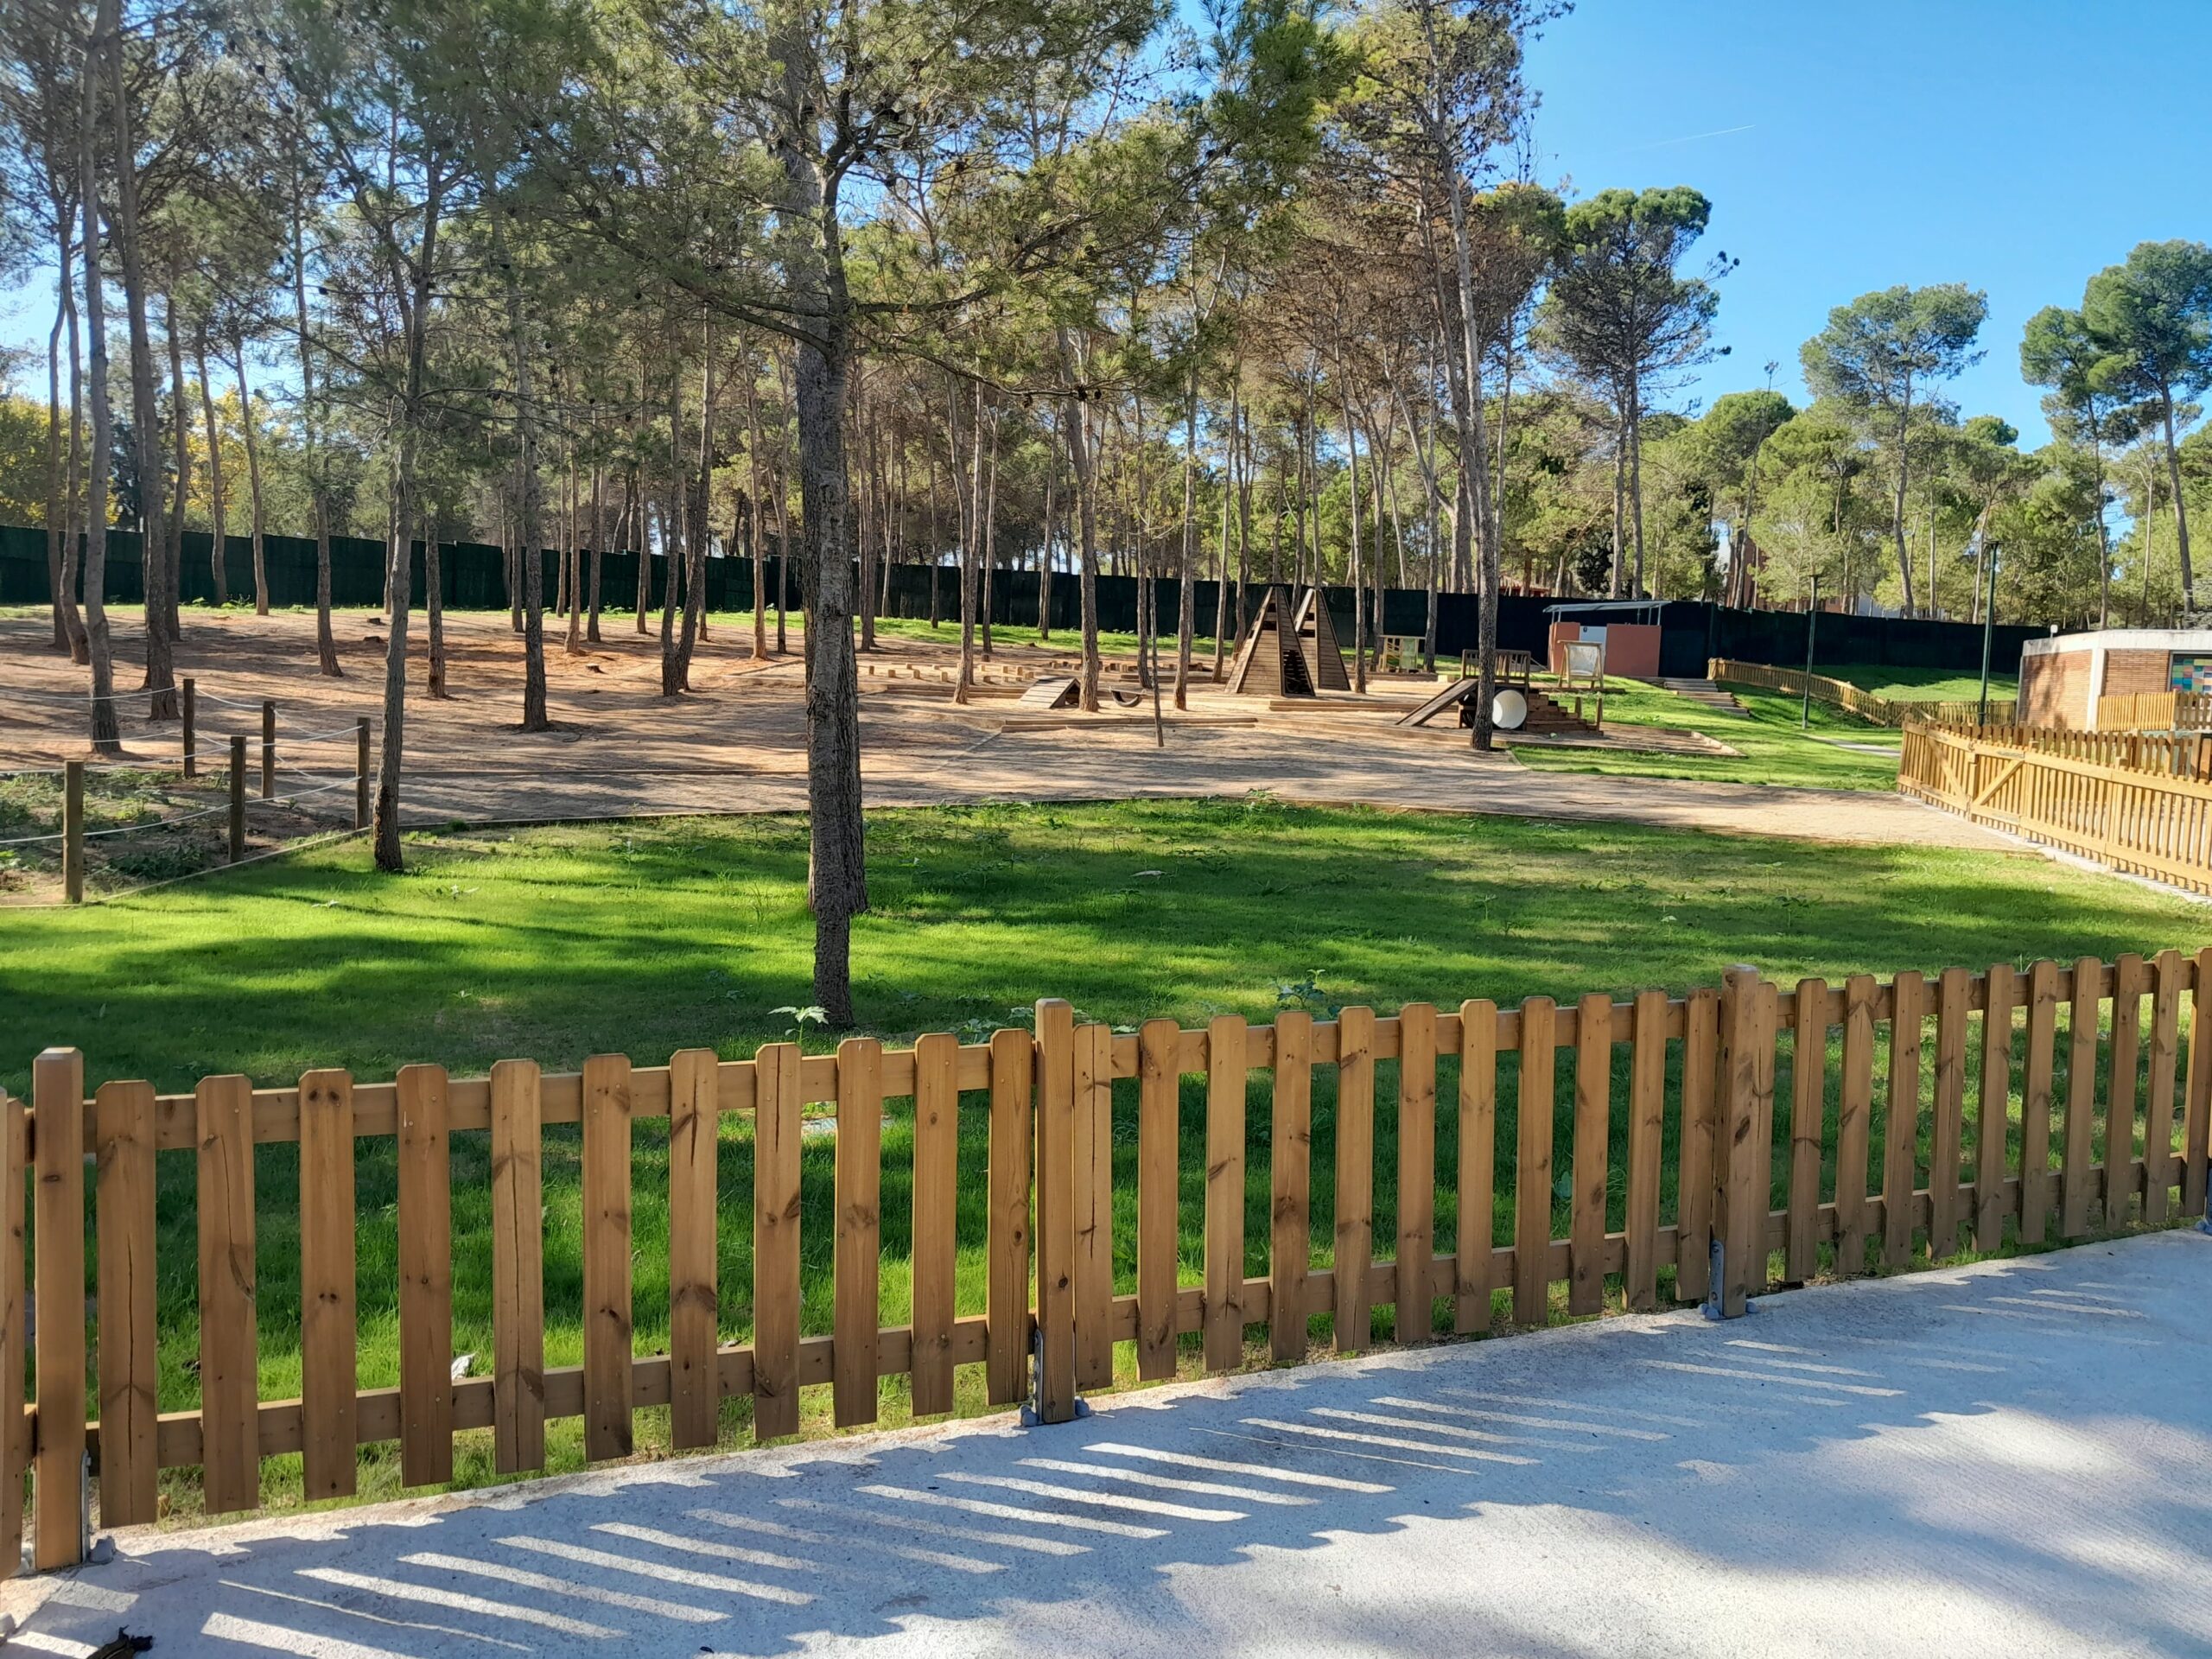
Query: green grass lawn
1773	749
1919	685
647	937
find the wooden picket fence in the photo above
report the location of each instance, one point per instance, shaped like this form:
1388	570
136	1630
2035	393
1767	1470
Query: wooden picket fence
1726	1099
2137	802
1841	694
2155	711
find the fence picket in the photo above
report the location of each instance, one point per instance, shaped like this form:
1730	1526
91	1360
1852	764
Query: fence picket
1694	1183
775	1240
1532	1201
1471	1284
1946	1136
937	1197
1355	1198
1094	1201
1901	1130
14	1421
857	1302
1160	1128
1055	1210
606	1257
57	1098
518	1269
857	1299
1416	1170
1593	1082
1013	1075
695	1395
1290	1161
329	1322
2159	1096
426	1277
2125	1053
2197	1114
1646	1151
2035	1101
229	1434
1224	1209
1992	1118
130	1364
1809	1076
1854	1124
2081	1096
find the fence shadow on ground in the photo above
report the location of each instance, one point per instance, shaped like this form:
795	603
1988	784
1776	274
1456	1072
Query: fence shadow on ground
2013	1442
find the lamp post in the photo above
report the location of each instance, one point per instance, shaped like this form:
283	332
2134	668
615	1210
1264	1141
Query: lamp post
1812	622
1988	628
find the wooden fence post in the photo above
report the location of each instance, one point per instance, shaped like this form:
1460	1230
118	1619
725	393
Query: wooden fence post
1055	1400
14	1421
238	797
361	772
267	748
58	1137
72	831
1741	1175
191	726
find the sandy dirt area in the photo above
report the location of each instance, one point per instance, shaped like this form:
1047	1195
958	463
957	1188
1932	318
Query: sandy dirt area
736	743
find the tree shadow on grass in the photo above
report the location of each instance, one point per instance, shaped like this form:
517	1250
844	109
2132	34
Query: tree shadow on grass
2016	1446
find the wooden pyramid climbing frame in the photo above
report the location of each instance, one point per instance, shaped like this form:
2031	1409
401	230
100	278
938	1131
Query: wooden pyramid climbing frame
1270	664
1316	641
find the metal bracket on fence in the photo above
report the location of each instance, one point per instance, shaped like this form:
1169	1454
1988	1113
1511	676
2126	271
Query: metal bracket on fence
1032	1412
1716	1283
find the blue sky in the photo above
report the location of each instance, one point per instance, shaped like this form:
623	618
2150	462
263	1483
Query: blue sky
2018	146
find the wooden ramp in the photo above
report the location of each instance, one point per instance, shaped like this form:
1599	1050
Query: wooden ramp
1316	643
1451	696
1049	694
1269	663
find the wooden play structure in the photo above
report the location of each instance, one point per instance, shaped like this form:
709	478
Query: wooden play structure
1289	652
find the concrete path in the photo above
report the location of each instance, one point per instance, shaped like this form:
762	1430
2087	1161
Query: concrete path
2010	1459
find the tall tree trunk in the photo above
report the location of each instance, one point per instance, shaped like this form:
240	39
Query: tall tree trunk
179	460
416	316
1896	514
598	533
433	607
106	732
698	525
759	547
252	479
971	518
326	641
1474	447
218	542
2181	505
1187	575
675	535
145	413
1620	583
1358	571
1635	480
56	511
813	271
72	498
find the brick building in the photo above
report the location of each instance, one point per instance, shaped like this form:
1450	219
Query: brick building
2062	678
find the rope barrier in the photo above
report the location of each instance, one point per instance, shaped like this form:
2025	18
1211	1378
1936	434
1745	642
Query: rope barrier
73	696
347	730
25	840
157	823
302	794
